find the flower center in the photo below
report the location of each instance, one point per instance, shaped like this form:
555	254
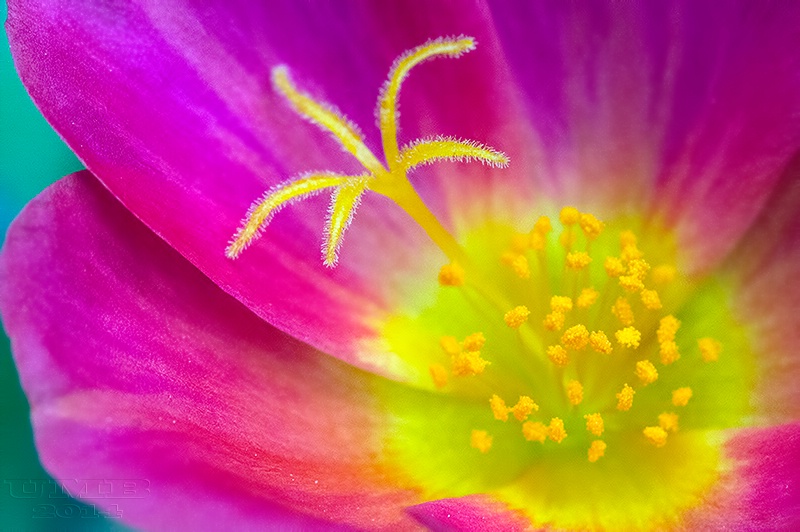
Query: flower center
592	318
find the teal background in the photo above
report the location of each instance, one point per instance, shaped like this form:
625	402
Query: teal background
31	157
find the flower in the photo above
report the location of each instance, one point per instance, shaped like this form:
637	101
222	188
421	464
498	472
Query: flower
610	342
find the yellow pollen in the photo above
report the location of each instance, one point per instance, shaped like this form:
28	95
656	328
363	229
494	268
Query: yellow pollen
614	267
594	423
524	407
521	267
592	227
627	238
578	260
630	283
655	435
468	363
650	299
569	216
575	392
542	226
515	317
668	421
664	274
499	408
520	242
561	304
534	431
575	338
450	345
474	342
623	311
538	241
556	430
681	396
587	298
668	352
596	450
709	349
625	398
600	342
554	321
638	268
452	275
439	375
667	328
480	440
558	355
646	372
629	337
630	253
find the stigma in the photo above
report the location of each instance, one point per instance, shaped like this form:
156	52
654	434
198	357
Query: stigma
388	177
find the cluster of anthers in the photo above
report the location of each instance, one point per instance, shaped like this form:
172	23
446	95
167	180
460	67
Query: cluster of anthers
630	293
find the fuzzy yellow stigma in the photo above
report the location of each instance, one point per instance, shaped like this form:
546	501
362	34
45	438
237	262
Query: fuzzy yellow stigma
388	178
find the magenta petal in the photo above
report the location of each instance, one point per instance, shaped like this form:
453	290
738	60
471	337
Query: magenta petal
763	490
138	367
690	106
473	513
170	105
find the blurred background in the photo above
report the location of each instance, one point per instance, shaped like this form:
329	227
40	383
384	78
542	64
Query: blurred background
31	157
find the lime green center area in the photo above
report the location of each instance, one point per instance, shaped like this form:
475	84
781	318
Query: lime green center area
465	431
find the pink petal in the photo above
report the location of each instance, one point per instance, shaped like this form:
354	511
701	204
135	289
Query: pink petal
476	512
170	105
766	269
138	367
685	108
763	491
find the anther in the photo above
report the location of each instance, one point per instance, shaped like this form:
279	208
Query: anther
587	298
575	338
439	375
655	435
578	260
668	421
561	304
499	408
646	372
600	342
569	216
452	275
614	267
556	430
596	450
535	431
667	328
650	299
574	392
623	311
591	226
481	441
681	396
668	351
524	407
474	342
521	267
468	363
558	355
629	337
594	423
709	349
450	345
515	317
625	398
554	321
